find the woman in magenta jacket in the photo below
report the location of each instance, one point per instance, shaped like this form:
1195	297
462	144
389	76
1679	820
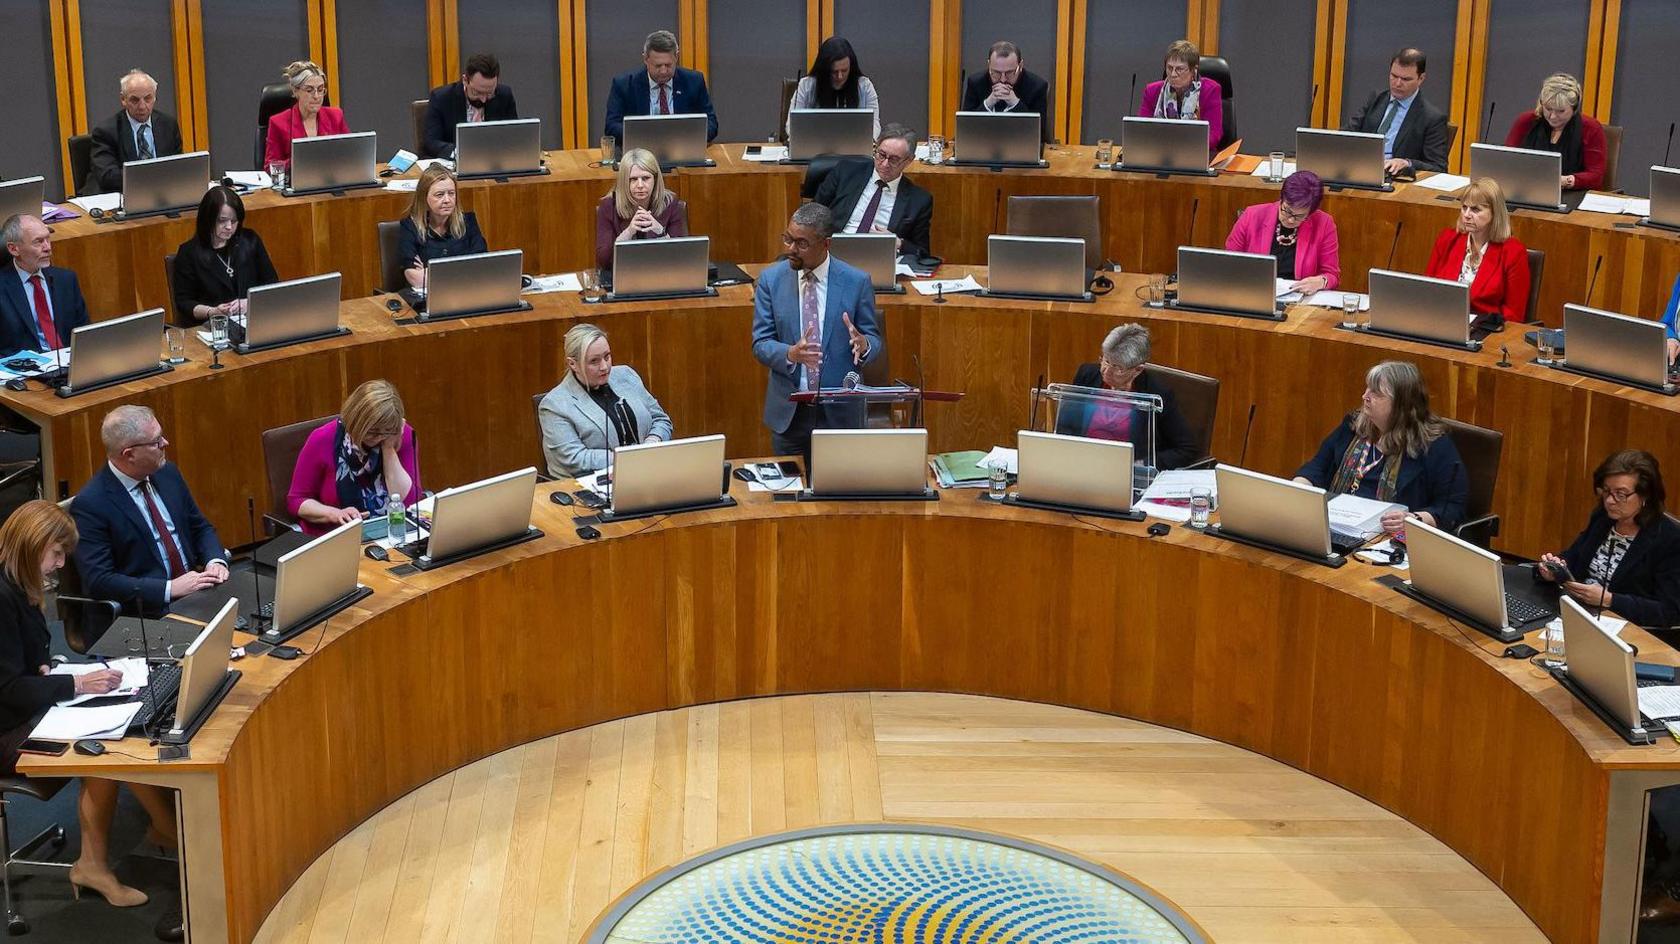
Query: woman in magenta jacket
1185	93
1294	230
307	118
351	466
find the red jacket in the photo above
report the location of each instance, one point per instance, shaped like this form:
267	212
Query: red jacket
286	125
1501	283
1591	175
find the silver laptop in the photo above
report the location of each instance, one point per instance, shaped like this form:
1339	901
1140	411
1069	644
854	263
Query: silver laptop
671	475
1532	179
334	162
1074	470
813	131
674	140
1273	511
1225	282
204	669
1602	665
1665	197
479	284
313	577
1421	307
1616	346
288	312
661	268
874	253
508	148
1164	145
1343	158
107	352
22	197
1463	577
1011	138
164	184
477	516
1036	267
885	462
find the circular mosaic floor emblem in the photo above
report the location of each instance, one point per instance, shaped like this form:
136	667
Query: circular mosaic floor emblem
891	884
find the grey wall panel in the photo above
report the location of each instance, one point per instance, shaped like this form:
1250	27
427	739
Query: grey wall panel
30	145
747	65
1271	89
382	67
1122	37
1029	24
891	37
246	45
617	29
1527	41
1644	102
1376	29
119	35
525	36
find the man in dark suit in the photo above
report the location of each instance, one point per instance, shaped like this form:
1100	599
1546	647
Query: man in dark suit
1414	131
1006	85
893	203
660	87
479	96
143	538
138	132
40	304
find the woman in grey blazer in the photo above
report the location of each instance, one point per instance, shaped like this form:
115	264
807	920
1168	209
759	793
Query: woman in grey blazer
596	408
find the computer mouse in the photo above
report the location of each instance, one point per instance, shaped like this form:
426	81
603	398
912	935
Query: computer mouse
1157	529
18	384
376	552
89	747
394	304
560	498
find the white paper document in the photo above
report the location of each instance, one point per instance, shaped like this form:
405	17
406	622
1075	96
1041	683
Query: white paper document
1332	298
768	154
1009	458
134	677
43	361
791	484
101	201
403	184
1446	183
1660	701
1285	293
1168	497
1350	514
1615	205
1265	168
250	178
564	282
949	286
107	723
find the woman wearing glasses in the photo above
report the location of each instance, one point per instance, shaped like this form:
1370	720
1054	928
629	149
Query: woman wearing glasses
1184	93
1295	231
1125	353
308	118
1627	559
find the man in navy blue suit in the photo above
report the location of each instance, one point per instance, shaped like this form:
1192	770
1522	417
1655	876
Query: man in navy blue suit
40	304
660	87
813	323
143	539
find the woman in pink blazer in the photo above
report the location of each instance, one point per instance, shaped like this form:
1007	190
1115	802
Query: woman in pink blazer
307	118
1296	231
1184	93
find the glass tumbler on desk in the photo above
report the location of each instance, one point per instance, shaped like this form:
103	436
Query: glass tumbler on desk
1350	310
997	482
1157	290
1274	167
590	280
1201	503
609	151
175	343
1544	344
219	331
277	175
936	149
1105	152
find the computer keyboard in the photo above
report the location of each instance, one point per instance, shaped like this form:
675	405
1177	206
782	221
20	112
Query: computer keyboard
1519	612
157	702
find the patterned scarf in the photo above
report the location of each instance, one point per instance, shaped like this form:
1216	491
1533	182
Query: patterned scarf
361	476
1360	458
1168	106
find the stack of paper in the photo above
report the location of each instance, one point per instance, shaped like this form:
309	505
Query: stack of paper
250	178
52	213
107	723
1332	298
960	469
1611	203
1168	497
134	677
949	286
1353	516
1265	168
768	154
1660	701
1004	456
791	484
102	201
1446	183
564	282
403	184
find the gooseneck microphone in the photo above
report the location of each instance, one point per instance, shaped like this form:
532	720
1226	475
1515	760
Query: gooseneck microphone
256	575
1487	126
1190	234
1594	282
1670	143
1398	227
997	209
1312	100
1131	98
1032	417
1242	458
921	391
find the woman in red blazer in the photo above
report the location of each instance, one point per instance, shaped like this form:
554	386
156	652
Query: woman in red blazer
1294	230
1481	253
1556	124
306	119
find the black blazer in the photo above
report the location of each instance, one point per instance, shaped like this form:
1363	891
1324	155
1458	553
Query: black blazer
1030	88
117	558
24	691
200	278
629	96
448	108
113	145
1422	138
1646	584
1437	482
411	246
912	213
17	323
1175	444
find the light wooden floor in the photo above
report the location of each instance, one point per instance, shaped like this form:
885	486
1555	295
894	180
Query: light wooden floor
533	843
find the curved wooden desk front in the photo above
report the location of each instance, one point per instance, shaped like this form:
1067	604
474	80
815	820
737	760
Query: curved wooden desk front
1318	668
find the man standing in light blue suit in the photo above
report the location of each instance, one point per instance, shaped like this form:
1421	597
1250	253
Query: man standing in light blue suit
813	323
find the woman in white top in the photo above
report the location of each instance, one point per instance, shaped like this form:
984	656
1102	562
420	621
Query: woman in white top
835	81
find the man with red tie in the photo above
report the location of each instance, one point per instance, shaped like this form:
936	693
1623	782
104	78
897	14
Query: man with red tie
143	540
894	204
40	304
660	87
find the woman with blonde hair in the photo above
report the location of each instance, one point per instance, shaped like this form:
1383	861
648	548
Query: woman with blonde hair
1556	124
597	407
308	117
351	466
637	207
435	227
1480	252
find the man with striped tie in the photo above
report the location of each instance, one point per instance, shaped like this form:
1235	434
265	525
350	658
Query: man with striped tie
139	132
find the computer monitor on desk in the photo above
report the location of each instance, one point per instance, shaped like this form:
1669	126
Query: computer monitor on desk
1418	308
1342	158
1601	673
510	148
315	581
334	162
650	269
874	253
1040	268
1467	584
1274	513
673	140
1665	198
1164	146
869	464
999	139
814	131
22	197
1221	282
1531	179
1616	348
475	519
665	477
292	312
164	184
111	352
1074	474
205	677
486	283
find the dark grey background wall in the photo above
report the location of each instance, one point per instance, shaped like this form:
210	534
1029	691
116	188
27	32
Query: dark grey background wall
617	30
119	35
1527	41
245	46
382	49
1122	37
30	144
1376	29
1029	24
746	66
1647	87
524	35
892	37
1271	89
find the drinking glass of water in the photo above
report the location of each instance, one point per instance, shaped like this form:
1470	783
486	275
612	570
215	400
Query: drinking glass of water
609	151
277	174
1201	502
936	149
219	330
1544	343
1105	152
175	343
1157	290
997	482
1274	161
1350	309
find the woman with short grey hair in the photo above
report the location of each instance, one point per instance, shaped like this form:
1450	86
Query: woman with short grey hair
597	407
1125	353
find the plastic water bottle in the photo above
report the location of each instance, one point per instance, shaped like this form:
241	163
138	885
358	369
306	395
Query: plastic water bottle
997	482
396	520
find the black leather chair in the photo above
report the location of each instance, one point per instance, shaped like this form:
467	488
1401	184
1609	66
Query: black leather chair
417	114
390	267
1536	269
85	619
1479	448
1077	217
789	86
81	183
280	448
276	97
36	788
1197	398
820	167
173	317
542	455
1612	159
1218	69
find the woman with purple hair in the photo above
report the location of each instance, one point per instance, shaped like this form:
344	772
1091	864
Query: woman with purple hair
1295	231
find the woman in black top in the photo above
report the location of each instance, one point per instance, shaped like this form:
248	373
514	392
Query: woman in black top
435	226
1627	558
222	262
33	544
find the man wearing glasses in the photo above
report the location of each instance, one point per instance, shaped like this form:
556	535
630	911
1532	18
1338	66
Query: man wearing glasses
880	199
143	539
1006	85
